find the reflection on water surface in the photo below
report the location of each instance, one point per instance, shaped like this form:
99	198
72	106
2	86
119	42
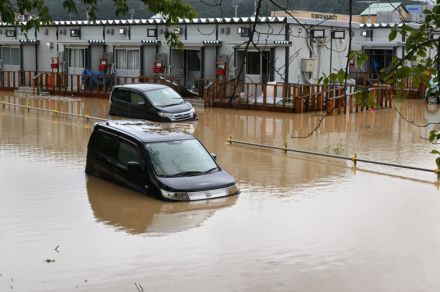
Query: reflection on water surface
301	223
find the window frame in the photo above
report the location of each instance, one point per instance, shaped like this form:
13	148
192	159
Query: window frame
126	66
72	52
9	63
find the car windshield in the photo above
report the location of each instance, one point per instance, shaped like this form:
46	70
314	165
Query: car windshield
180	158
164	97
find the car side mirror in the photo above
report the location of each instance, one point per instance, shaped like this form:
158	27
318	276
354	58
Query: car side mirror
133	167
213	155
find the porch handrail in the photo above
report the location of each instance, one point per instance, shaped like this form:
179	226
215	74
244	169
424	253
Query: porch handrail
38	75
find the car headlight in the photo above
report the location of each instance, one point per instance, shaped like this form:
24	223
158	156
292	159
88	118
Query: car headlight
192	111
175	196
233	190
165	115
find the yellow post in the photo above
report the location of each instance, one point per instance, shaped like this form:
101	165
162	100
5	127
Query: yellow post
229	139
354	159
285	147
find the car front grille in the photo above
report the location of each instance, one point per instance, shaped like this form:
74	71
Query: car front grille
182	116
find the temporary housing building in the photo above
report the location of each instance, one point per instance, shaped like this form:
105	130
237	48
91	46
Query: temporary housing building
280	49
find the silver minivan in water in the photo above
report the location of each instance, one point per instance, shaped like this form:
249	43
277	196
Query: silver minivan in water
154	102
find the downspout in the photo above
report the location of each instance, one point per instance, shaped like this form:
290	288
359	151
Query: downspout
36	58
89	57
36	53
202	73
331	50
141	51
286	54
21	65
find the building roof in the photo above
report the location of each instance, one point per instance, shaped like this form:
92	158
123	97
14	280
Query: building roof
218	20
374	8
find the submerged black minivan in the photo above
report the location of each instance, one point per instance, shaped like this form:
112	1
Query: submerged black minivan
153	159
154	102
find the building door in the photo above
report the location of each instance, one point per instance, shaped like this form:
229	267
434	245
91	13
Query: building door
76	60
378	59
258	67
192	69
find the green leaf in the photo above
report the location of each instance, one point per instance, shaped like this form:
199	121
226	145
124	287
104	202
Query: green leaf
392	34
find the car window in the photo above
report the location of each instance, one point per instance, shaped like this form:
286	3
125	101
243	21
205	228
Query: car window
164	97
107	145
122	94
179	157
128	152
137	98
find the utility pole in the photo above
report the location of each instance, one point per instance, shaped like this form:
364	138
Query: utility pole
235	8
131	11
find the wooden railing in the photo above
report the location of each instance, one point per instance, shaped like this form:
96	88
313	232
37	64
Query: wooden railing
412	89
296	97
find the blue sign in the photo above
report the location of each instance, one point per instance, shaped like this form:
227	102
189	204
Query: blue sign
414	9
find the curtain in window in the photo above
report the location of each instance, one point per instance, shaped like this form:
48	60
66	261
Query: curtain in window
76	58
127	59
133	60
121	59
10	56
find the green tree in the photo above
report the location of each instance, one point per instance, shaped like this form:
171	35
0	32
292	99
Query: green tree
422	60
171	10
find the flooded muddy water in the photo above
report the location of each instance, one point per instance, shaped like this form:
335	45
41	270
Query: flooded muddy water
301	223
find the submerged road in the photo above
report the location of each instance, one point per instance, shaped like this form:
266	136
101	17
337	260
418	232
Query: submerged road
301	223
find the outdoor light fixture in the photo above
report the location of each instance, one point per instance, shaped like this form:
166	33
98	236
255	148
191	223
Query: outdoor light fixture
338	34
10	33
435	36
75	33
318	33
151	32
244	31
367	33
178	30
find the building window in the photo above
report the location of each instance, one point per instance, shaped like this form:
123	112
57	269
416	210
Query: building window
127	59
152	32
77	58
10	56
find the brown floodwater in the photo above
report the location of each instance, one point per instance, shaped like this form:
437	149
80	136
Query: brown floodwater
301	223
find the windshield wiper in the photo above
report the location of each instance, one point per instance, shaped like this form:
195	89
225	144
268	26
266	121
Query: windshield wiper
171	104
210	170
187	173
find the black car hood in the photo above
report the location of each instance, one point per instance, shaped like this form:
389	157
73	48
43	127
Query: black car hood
211	181
178	108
